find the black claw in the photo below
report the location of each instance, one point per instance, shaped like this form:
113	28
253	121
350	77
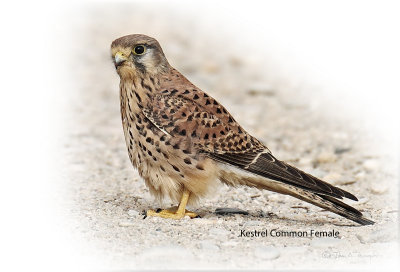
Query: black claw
197	216
158	210
144	217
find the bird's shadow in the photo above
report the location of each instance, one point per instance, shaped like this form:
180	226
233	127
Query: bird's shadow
231	212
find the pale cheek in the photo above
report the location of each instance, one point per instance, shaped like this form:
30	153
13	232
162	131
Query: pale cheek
148	62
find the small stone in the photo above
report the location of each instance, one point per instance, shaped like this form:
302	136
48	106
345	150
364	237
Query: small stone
325	242
267	253
360	175
338	179
305	161
326	157
361	200
371	165
225	211
210	67
133	213
362	238
257	92
340	135
334	178
341	150
379	188
385	234
260	88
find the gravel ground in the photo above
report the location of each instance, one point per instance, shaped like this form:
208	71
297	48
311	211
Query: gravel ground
106	196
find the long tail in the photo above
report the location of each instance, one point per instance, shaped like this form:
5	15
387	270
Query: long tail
235	177
332	204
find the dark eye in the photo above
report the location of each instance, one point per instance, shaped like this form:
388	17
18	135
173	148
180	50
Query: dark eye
139	49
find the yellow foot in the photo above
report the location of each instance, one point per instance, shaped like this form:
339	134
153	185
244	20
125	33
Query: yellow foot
172	213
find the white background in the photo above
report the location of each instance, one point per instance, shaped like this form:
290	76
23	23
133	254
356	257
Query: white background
351	47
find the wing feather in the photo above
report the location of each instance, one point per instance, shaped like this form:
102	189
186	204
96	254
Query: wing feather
213	132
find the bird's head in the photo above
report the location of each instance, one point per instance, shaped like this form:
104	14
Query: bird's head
136	55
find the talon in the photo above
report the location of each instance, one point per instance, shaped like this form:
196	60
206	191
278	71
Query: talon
145	216
175	212
197	216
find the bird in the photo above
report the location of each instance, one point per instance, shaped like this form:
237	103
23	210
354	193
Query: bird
184	143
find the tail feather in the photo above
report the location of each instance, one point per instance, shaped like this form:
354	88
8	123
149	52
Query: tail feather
331	204
347	211
234	177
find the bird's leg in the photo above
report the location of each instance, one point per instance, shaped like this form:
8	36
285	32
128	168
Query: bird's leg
175	212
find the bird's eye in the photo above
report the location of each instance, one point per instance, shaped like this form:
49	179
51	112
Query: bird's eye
139	49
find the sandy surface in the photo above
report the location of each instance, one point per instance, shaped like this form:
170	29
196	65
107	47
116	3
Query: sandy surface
106	197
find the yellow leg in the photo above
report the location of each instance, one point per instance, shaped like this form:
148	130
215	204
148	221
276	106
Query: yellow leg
175	212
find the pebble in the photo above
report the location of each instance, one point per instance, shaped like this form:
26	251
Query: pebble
210	67
383	235
267	253
259	91
338	179
325	242
225	211
341	150
379	188
341	135
361	200
360	175
326	157
133	213
334	178
305	161
371	165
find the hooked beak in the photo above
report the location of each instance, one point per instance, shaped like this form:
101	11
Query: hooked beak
119	58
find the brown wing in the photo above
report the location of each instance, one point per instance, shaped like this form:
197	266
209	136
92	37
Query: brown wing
194	116
208	126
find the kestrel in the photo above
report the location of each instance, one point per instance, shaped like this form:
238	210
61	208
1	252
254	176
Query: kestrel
183	142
